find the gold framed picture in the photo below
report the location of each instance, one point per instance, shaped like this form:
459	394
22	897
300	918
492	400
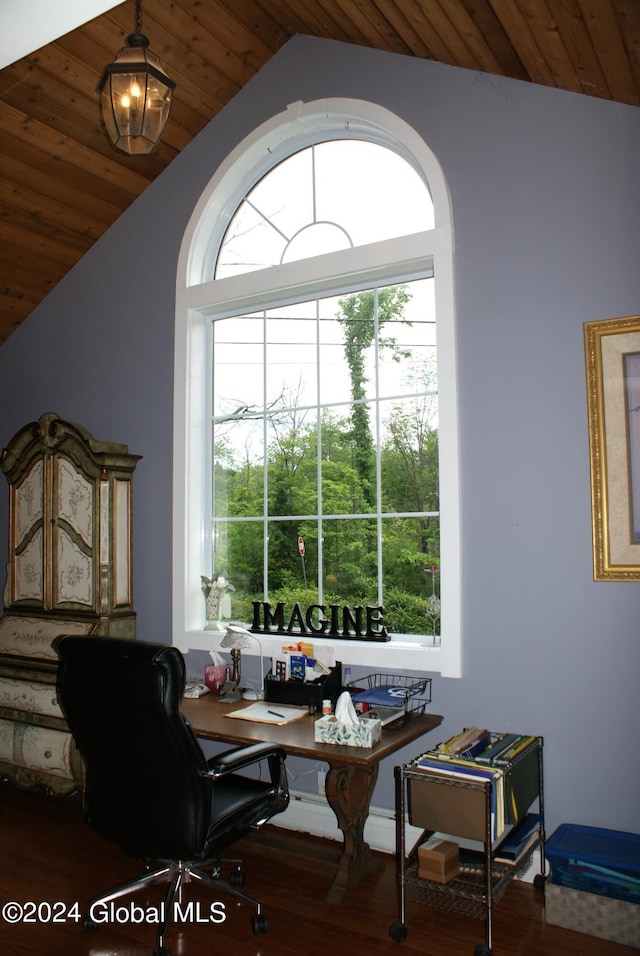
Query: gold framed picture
612	355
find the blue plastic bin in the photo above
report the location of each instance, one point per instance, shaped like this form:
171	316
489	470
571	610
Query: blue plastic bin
595	860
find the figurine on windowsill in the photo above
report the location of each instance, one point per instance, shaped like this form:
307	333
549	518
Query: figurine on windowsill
217	601
433	605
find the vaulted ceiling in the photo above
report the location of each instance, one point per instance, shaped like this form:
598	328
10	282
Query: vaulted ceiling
62	184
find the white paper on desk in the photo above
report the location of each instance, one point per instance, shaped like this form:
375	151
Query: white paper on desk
269	714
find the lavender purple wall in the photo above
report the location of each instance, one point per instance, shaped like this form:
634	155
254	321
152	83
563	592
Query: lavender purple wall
545	189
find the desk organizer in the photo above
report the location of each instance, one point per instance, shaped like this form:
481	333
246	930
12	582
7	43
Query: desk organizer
386	693
303	693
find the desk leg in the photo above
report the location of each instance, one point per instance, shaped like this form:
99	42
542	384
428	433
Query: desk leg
349	791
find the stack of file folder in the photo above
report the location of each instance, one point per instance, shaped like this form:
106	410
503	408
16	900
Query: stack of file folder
487	747
508	761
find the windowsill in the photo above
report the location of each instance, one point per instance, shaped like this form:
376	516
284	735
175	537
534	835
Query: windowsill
397	654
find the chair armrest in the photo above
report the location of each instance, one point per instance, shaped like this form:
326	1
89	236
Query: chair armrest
239	757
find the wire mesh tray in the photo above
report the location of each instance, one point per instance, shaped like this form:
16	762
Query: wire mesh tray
467	893
391	696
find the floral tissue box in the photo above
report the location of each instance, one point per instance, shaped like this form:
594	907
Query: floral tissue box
329	731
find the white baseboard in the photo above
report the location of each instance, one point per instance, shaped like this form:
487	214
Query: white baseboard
310	813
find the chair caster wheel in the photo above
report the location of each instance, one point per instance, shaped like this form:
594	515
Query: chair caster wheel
481	950
89	925
259	925
163	951
539	881
398	932
237	877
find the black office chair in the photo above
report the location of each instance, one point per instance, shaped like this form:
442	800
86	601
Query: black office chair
149	787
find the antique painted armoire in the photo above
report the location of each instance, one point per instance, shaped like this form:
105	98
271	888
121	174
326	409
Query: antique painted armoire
69	572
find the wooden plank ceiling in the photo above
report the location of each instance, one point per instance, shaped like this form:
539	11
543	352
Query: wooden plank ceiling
62	184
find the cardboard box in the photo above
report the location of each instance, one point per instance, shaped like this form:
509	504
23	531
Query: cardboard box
601	916
438	860
327	730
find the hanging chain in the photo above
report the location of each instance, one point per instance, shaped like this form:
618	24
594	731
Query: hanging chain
138	16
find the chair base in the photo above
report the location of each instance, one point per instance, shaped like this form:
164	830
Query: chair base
103	908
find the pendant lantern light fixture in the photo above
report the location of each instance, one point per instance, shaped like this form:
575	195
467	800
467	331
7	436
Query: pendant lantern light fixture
135	95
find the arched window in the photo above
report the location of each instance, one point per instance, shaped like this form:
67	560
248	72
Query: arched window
315	377
330	196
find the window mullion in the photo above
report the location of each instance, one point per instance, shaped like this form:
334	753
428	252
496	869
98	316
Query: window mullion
378	443
335	273
265	464
320	507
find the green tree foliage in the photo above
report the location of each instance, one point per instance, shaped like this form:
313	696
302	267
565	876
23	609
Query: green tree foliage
341	553
363	317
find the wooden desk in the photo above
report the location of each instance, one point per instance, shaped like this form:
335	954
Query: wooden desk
350	781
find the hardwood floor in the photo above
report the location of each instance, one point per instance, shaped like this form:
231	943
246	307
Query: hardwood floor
48	854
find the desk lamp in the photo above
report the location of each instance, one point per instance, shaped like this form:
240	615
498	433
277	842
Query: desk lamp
235	639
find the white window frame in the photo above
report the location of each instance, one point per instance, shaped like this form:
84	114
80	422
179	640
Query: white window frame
198	298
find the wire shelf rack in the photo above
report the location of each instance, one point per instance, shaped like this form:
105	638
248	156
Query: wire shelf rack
466	894
404	697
